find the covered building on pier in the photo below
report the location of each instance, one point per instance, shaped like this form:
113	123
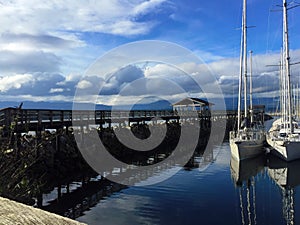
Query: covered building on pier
186	105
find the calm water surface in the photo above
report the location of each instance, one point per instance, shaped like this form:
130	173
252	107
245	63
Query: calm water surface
257	191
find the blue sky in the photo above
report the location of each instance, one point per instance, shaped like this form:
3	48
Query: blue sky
46	47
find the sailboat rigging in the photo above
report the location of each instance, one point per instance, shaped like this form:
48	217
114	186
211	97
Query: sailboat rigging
284	135
249	137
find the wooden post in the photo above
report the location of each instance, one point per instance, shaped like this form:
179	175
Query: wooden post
57	142
59	191
39	198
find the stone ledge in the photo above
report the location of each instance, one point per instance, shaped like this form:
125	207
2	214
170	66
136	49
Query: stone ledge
13	213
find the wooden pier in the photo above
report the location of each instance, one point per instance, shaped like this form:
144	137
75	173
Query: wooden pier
24	120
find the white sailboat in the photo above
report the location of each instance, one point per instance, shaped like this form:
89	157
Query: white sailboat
248	140
284	135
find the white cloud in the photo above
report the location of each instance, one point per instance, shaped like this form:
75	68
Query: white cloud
131	83
72	77
39	42
161	70
56	90
37	98
36	17
84	84
128	28
147	6
50	37
14	81
34	84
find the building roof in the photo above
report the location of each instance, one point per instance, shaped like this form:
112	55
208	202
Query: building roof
192	102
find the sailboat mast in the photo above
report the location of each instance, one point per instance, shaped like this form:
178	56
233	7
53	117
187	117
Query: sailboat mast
250	87
241	65
282	90
287	64
245	56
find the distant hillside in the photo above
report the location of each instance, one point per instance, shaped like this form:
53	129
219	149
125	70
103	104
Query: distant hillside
231	104
47	105
159	105
270	103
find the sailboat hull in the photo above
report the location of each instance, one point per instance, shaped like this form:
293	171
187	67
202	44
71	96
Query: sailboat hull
246	149
286	150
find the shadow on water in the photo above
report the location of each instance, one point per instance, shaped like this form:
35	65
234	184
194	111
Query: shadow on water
51	174
73	203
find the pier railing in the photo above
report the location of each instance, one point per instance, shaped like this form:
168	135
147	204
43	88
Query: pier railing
39	119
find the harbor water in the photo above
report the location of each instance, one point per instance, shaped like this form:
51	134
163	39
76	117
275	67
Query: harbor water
263	190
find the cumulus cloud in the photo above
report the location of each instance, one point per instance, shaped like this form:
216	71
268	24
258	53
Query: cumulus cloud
32	16
184	79
39	41
114	83
39	84
265	73
14	82
84	84
134	82
37	87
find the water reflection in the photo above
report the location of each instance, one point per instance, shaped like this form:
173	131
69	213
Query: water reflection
245	170
71	192
243	174
233	192
286	176
202	156
74	203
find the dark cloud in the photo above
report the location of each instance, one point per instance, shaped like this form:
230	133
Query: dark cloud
29	62
40	41
89	85
265	82
42	84
120	79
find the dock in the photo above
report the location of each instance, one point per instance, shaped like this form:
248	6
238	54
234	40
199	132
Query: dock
23	120
14	213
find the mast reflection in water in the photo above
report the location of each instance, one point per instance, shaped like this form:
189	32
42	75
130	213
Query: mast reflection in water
243	173
286	176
